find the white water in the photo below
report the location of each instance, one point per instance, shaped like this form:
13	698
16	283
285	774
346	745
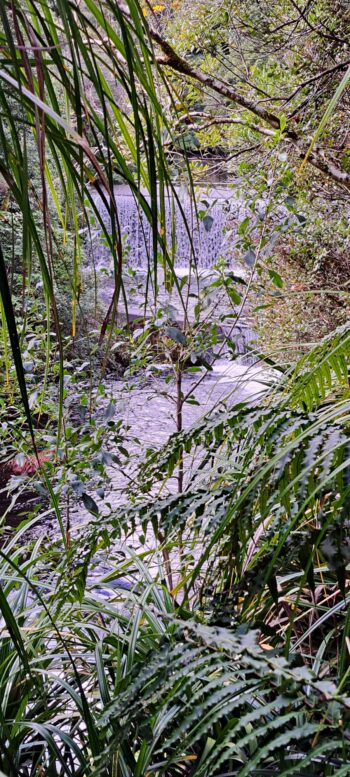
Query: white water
146	405
216	208
200	238
148	409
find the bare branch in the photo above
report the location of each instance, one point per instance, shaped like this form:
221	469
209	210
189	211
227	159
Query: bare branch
175	62
328	35
317	159
317	77
222	120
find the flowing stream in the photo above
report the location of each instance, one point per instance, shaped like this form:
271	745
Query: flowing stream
193	233
145	402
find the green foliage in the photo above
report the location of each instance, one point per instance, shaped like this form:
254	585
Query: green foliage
139	688
225	649
217	699
321	370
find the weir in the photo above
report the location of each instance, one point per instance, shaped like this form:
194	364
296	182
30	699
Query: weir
203	238
200	237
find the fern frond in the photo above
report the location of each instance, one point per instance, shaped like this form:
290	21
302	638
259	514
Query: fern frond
249	704
321	371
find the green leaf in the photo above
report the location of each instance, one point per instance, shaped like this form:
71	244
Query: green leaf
110	411
276	278
250	257
327	115
243	226
90	504
175	334
208	222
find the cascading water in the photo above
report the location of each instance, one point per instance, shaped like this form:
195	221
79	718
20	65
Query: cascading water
200	237
146	407
200	234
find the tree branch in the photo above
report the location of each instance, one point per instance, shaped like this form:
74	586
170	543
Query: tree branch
329	35
175	62
219	120
317	77
178	64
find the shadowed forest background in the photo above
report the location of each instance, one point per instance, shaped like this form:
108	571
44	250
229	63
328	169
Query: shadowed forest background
175	390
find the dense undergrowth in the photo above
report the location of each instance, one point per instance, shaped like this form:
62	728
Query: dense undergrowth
222	646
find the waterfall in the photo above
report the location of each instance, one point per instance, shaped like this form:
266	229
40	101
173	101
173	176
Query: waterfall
202	237
210	239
